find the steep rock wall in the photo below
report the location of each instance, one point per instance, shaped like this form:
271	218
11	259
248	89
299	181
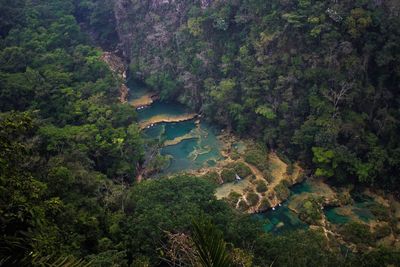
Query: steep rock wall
150	38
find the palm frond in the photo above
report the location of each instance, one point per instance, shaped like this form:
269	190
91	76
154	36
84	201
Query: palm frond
210	245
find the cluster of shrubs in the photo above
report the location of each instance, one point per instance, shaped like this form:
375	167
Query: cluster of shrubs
228	174
310	211
252	198
258	157
282	191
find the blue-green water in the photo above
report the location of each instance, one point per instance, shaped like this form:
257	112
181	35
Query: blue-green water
174	130
359	209
335	218
162	108
280	220
283	219
193	153
137	89
170	131
202	150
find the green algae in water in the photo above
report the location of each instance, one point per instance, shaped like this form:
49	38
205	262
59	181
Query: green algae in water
334	217
194	153
162	108
169	131
281	220
211	163
174	130
304	187
362	211
137	89
155	132
180	156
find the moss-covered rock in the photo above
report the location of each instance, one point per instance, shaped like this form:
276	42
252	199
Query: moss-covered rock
268	176
261	186
252	198
233	198
379	211
228	175
265	204
282	191
357	233
257	156
212	177
344	198
290	169
382	231
243	205
235	155
240	168
310	211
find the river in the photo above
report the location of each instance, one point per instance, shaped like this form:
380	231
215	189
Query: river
192	144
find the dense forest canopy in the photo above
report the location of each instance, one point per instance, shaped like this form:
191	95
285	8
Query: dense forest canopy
315	80
318	80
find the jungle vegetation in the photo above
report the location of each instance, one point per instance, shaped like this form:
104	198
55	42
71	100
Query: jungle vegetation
316	80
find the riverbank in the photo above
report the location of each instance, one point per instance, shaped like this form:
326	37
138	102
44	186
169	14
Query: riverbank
144	101
119	67
254	180
166	118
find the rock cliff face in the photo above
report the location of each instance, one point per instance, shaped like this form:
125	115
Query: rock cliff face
150	22
140	22
119	67
150	33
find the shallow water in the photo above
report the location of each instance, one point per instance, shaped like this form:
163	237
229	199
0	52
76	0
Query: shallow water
200	150
283	219
203	149
280	220
195	153
162	108
335	218
225	189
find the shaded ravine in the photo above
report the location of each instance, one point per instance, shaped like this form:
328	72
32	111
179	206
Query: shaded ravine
192	144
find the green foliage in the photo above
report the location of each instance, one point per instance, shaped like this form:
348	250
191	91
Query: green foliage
210	245
240	169
381	212
261	186
156	206
64	139
242	205
233	198
382	231
296	75
316	80
213	177
323	158
306	248
310	211
252	198
228	175
357	233
266	112
265	204
257	157
282	191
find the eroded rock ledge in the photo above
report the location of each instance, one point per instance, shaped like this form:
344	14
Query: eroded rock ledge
119	67
165	118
